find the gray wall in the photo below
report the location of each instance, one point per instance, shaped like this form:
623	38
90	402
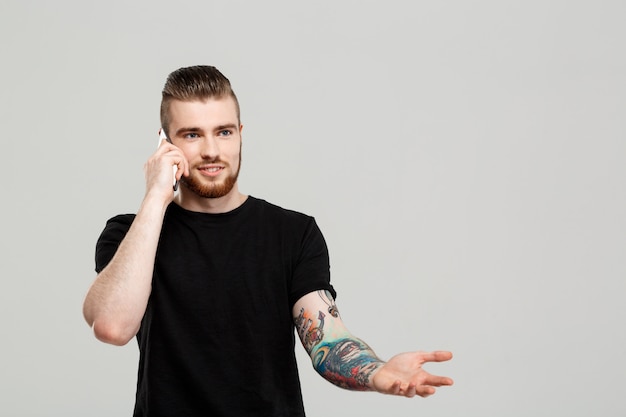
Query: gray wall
465	161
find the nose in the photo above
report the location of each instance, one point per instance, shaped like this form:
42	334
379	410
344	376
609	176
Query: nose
210	149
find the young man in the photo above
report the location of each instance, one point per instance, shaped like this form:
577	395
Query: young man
211	281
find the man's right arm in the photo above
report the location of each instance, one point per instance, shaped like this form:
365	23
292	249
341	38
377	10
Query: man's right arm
116	302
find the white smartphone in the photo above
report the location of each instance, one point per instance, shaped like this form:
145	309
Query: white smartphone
162	136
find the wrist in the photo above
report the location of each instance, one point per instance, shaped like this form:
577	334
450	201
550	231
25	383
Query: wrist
153	207
156	200
371	376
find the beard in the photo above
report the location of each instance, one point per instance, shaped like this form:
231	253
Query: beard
212	189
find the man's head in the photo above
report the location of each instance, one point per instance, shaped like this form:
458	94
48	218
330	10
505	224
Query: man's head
199	82
200	114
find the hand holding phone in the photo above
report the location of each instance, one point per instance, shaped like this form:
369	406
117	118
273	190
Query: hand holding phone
162	136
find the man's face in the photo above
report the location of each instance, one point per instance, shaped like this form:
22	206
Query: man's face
209	134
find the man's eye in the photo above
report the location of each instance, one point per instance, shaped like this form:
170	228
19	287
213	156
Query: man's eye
225	132
191	136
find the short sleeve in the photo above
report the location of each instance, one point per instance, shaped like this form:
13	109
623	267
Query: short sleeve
114	232
312	271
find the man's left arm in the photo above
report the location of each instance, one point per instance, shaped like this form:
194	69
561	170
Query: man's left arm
350	363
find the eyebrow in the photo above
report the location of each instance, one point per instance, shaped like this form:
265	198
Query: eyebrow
187	130
197	129
226	126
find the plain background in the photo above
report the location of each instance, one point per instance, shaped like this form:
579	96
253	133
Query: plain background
466	161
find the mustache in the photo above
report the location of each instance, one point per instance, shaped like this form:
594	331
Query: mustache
208	161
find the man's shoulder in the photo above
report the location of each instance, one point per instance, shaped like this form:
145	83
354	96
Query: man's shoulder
278	211
121	220
111	237
117	226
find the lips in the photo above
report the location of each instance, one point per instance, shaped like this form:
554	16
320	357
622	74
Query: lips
211	170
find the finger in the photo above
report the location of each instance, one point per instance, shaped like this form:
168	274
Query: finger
437	381
395	388
175	156
183	167
165	145
411	390
424	391
178	156
164	148
437	356
186	166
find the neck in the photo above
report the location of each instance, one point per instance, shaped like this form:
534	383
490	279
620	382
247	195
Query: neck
192	202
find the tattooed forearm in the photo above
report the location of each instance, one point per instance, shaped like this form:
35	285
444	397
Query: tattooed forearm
347	363
339	357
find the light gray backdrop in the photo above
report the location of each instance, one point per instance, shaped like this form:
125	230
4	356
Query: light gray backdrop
464	159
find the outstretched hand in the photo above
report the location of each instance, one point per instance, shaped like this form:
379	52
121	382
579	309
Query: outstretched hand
403	374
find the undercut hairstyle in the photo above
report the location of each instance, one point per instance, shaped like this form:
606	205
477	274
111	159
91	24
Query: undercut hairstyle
200	82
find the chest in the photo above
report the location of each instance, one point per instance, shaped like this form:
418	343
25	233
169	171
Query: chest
225	273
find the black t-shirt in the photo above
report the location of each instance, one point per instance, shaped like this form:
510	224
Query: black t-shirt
217	338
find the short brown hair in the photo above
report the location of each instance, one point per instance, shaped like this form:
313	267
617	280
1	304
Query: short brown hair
199	82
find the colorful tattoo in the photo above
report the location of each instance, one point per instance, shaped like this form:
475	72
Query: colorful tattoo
330	302
309	335
347	363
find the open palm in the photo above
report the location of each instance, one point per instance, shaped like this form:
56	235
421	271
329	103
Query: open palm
403	374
